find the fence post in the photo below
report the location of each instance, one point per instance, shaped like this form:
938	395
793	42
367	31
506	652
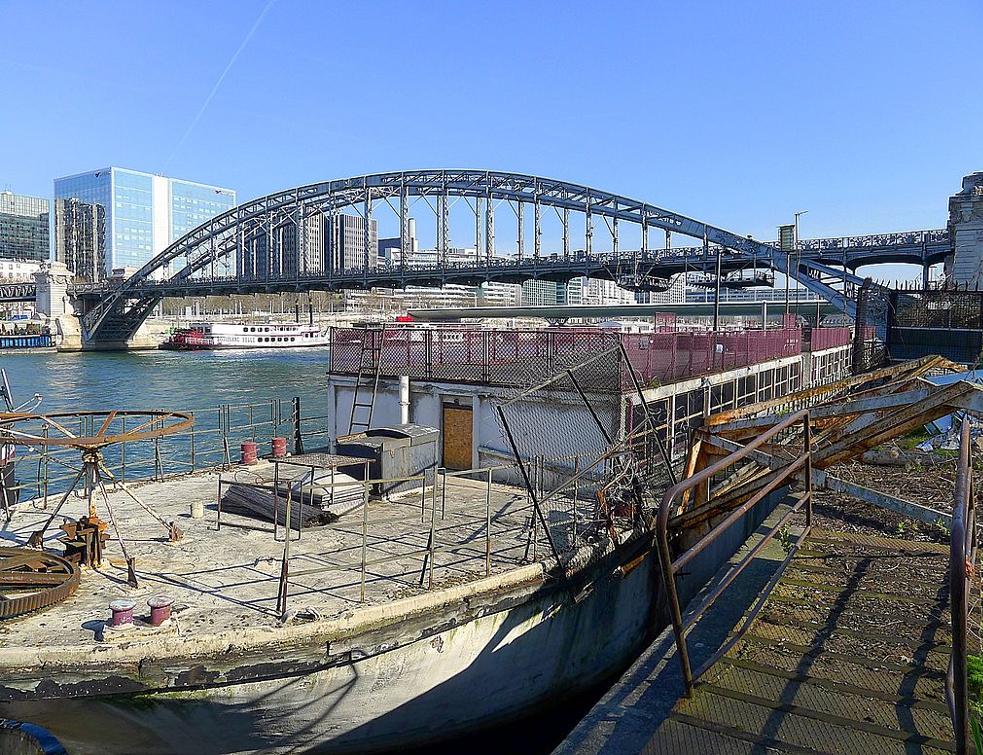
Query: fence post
365	530
433	528
298	438
488	524
807	430
443	493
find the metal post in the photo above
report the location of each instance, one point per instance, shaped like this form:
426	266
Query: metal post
298	438
218	506
488	524
576	495
807	444
588	228
716	290
433	528
276	497
365	530
566	232
520	212
443	492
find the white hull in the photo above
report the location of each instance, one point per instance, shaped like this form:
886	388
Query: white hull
486	668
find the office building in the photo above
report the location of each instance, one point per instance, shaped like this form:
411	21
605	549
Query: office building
23	227
117	218
350	250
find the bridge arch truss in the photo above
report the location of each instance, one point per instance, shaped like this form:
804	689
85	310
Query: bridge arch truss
203	260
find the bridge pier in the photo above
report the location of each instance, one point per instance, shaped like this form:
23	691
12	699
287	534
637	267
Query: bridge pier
965	265
53	301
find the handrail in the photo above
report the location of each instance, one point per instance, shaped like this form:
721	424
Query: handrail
962	560
670	567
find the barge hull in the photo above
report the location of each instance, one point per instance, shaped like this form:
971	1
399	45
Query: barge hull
473	668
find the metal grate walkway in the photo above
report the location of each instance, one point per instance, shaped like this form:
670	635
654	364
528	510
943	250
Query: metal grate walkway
848	655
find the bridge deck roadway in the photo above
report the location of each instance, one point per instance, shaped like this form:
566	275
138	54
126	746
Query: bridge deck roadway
848	655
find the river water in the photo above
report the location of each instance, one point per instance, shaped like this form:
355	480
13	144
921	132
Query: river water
174	380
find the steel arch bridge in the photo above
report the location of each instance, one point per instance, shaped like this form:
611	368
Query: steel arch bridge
275	229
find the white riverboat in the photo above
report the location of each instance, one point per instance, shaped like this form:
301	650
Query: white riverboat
228	335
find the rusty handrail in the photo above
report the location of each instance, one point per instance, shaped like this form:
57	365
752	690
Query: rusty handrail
962	560
670	567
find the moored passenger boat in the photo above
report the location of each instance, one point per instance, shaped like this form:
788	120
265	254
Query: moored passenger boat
227	335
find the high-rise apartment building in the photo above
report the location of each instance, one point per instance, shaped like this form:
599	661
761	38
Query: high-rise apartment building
23	227
117	218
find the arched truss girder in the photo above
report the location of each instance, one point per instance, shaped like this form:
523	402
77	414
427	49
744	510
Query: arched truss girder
207	245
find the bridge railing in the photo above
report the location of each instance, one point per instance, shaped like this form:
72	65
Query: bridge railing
512	358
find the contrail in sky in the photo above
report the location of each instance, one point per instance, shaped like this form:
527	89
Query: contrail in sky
221	78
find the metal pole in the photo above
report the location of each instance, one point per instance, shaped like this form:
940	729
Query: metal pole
716	293
298	438
433	529
365	530
529	487
576	495
443	493
488	524
807	443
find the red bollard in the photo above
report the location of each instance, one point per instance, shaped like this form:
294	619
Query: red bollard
160	609
122	612
249	452
279	448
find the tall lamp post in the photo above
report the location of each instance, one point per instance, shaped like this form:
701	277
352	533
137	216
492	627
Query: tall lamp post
798	252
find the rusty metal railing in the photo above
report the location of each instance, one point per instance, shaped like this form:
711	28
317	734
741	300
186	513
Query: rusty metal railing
671	567
962	567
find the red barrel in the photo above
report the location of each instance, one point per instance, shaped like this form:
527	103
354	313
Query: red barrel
249	452
279	448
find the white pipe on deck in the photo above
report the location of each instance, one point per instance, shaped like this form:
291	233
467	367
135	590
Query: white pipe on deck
404	399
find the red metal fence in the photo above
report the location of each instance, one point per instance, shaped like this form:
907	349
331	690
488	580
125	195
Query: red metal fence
510	357
829	338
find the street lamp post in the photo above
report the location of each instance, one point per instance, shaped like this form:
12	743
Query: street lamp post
798	252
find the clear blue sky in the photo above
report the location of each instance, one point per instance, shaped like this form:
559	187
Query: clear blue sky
867	114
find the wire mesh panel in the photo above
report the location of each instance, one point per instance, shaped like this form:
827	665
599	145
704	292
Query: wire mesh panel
584	470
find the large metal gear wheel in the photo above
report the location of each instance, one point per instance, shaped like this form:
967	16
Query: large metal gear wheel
31	580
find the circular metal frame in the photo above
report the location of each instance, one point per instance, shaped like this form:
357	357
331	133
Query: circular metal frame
111	426
51	577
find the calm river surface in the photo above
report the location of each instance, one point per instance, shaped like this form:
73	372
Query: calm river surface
175	380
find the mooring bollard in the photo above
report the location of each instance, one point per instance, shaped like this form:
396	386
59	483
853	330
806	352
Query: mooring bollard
279	448
248	452
160	609
122	612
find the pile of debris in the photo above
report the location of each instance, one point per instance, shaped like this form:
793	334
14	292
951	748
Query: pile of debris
314	498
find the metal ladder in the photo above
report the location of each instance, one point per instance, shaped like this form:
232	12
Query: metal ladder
371	347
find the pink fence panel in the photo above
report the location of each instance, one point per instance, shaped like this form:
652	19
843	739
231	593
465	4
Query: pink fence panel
830	338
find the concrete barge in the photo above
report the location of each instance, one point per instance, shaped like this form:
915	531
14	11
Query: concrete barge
341	674
516	572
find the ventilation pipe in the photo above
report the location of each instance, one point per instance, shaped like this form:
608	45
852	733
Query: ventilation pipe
404	399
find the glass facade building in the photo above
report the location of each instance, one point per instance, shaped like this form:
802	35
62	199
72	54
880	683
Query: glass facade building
23	227
119	219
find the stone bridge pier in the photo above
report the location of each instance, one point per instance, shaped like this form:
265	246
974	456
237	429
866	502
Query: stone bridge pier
966	232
